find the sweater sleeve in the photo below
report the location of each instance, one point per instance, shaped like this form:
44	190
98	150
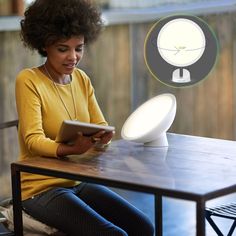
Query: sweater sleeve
29	110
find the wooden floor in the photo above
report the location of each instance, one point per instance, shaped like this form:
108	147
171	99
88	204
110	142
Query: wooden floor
178	215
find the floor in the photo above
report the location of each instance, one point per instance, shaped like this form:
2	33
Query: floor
178	215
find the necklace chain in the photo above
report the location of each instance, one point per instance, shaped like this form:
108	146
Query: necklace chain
59	95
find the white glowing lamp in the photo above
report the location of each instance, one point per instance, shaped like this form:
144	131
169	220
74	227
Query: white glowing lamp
149	122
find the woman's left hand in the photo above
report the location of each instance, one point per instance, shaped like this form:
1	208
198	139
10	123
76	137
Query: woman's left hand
102	138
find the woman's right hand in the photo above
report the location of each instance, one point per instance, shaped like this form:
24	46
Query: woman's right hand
81	145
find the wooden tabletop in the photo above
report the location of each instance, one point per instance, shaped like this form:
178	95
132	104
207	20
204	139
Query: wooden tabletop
194	166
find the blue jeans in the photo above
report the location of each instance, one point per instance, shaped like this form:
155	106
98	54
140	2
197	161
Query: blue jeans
88	210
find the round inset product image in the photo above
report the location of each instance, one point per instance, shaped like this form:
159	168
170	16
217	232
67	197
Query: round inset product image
180	50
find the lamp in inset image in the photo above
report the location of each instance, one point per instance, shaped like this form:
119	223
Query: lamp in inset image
181	42
149	122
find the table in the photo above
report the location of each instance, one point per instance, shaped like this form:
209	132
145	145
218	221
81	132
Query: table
191	168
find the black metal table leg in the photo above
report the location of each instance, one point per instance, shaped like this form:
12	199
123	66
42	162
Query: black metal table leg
158	215
16	196
200	218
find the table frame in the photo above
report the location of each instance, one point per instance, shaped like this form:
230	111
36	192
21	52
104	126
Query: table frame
159	193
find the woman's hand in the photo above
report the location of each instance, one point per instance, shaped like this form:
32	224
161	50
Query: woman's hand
102	137
103	141
83	143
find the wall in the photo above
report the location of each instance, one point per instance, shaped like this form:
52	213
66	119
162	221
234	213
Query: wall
208	108
13	57
122	82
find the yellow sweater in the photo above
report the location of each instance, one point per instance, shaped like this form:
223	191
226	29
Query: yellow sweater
41	112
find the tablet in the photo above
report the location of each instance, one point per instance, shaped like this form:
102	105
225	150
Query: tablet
70	128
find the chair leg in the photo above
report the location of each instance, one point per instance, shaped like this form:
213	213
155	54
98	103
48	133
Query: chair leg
232	228
213	225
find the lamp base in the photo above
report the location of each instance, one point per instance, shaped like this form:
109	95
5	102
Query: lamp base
177	77
161	141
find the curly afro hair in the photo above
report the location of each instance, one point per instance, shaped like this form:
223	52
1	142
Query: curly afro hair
47	21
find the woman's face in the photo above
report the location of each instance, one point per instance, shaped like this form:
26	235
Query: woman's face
64	55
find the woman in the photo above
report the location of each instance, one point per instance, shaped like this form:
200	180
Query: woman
57	91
